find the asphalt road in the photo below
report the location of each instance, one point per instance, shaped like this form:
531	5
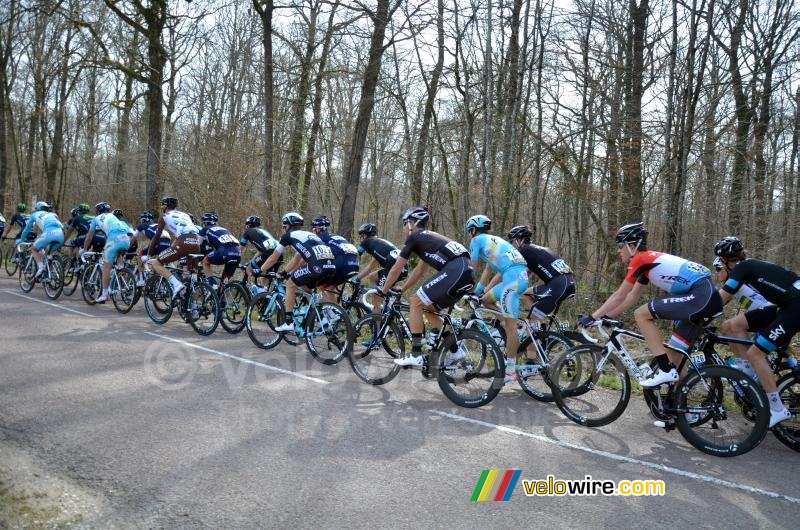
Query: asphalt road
175	430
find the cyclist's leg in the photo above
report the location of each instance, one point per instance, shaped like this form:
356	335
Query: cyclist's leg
441	291
506	294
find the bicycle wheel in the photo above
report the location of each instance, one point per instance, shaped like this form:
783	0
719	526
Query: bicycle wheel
264	314
372	356
71	276
788	431
203	311
233	300
53	282
12	262
27	277
158	299
734	429
590	386
328	332
123	291
472	375
533	377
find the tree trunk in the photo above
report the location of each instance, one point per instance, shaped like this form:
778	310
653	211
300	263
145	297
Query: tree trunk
264	9
512	107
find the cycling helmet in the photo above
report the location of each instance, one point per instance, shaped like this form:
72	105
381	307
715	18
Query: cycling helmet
210	219
252	220
729	247
520	232
367	229
74	211
169	202
147	215
118	213
632	233
323	221
84	208
418	214
479	222
292	219
21	207
102	207
41	206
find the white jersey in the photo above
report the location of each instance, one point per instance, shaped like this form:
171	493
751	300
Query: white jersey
178	223
748	298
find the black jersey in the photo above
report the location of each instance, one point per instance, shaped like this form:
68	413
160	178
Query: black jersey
433	248
343	250
260	238
216	236
307	244
542	262
776	284
383	251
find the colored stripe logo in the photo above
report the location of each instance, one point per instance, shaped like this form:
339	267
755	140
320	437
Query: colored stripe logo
494	485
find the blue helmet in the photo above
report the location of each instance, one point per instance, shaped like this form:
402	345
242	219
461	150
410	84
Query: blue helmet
322	221
479	222
209	219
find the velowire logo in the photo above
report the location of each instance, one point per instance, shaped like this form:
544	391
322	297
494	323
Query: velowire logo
494	485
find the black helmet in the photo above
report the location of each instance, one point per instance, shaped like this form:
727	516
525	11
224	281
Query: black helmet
147	215
21	207
323	221
252	220
118	213
169	202
367	229
418	214
520	232
210	218
102	207
292	219
729	247
74	211
632	233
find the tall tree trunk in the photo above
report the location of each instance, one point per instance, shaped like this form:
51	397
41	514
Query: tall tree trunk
6	44
57	147
264	9
512	107
487	151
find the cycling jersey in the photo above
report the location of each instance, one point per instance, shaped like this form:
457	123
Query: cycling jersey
542	262
307	244
149	231
384	252
179	223
345	258
260	238
80	223
44	221
434	249
776	284
216	236
19	219
749	299
2	225
667	272
108	223
498	253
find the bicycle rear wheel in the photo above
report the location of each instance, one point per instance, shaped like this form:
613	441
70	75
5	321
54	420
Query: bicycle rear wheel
328	332
788	431
736	425
471	376
27	277
91	284
158	299
53	282
372	356
203	310
533	378
123	291
264	313
233	301
71	276
13	260
590	387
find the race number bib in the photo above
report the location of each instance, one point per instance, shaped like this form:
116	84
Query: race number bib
347	248
322	252
455	248
561	267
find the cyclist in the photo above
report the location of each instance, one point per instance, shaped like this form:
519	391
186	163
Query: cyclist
691	297
186	241
776	324
509	281
117	242
144	233
220	248
119	214
318	258
453	279
264	244
79	223
51	233
383	253
20	219
345	256
2	225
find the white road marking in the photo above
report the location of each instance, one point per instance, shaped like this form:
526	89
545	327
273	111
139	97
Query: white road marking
50	304
620	458
241	359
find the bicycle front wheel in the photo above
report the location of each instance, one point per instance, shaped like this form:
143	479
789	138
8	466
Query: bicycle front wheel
328	332
203	313
158	299
788	431
123	291
27	277
738	421
53	283
12	262
470	369
71	276
375	349
264	314
233	301
590	386
91	284
533	370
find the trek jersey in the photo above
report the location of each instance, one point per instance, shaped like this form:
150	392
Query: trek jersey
667	272
498	253
776	284
46	221
344	252
108	223
260	238
433	248
383	251
179	223
307	244
543	263
215	237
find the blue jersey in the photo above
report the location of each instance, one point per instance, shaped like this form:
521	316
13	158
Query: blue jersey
496	251
80	223
108	223
344	252
45	221
20	220
217	236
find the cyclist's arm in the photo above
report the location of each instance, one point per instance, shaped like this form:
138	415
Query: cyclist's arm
371	267
394	273
415	276
272	259
725	295
614	300
88	240
21	236
495	280
153	242
293	264
634	292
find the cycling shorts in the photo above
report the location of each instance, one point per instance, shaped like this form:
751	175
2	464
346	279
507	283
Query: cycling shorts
114	246
227	255
343	273
688	310
506	293
776	325
312	274
184	245
52	239
553	293
449	285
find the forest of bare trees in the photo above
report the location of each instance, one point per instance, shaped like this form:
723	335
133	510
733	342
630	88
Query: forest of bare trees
572	116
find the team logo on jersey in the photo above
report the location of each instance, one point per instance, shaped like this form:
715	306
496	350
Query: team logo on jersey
775	334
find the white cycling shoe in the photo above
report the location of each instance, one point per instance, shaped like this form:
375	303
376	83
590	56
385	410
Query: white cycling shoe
415	361
659	377
775	417
286	326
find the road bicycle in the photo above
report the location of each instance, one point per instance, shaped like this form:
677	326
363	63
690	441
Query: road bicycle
701	404
51	277
121	283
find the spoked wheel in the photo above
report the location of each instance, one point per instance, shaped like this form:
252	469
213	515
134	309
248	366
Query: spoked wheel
328	332
533	378
71	276
203	309
91	284
375	349
27	277
53	281
13	259
733	429
233	300
264	314
470	371
590	387
158	299
123	291
788	431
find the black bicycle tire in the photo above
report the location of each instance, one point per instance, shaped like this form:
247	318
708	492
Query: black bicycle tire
30	281
57	270
226	323
209	294
354	356
121	306
149	304
309	322
255	301
11	271
544	397
786	435
445	382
